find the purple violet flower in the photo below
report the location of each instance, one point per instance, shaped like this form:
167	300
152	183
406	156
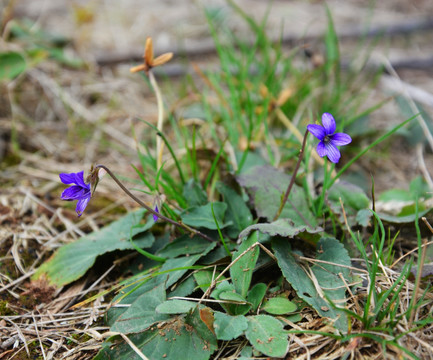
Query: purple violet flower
328	140
79	191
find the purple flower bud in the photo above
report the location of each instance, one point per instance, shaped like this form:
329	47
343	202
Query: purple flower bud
328	140
155	218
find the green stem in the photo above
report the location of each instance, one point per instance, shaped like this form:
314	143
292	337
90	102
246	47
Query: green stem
148	208
292	180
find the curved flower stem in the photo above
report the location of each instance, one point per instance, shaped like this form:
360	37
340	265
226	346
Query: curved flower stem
160	118
148	208
292	180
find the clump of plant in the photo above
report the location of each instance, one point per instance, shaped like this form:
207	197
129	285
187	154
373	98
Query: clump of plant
246	253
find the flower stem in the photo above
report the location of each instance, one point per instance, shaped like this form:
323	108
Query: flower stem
160	118
149	209
292	180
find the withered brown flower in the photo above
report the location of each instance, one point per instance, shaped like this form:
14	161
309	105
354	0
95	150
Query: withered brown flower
149	61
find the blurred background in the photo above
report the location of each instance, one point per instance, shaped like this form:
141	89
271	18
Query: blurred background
74	101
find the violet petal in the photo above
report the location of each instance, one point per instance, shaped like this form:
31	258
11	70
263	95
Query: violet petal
321	149
67	178
340	139
74	192
81	205
332	152
317	130
79	180
328	123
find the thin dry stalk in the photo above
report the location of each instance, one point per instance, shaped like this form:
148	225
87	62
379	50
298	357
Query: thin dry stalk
39	338
133	347
418	282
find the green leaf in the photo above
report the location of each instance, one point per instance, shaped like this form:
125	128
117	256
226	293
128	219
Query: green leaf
184	245
175	307
181	262
407	219
226	291
174	341
167	276
252	160
231	296
237	211
246	353
256	295
294	318
194	194
184	288
266	334
281	227
353	197
242	271
71	261
279	306
204	278
266	186
134	288
12	64
327	276
142	312
223	286
202	216
363	217
395	195
229	327
418	189
193	319
216	256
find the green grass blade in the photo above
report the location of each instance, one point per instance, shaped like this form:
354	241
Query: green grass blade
219	232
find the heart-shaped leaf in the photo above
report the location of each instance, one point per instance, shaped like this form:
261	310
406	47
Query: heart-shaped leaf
266	334
229	327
